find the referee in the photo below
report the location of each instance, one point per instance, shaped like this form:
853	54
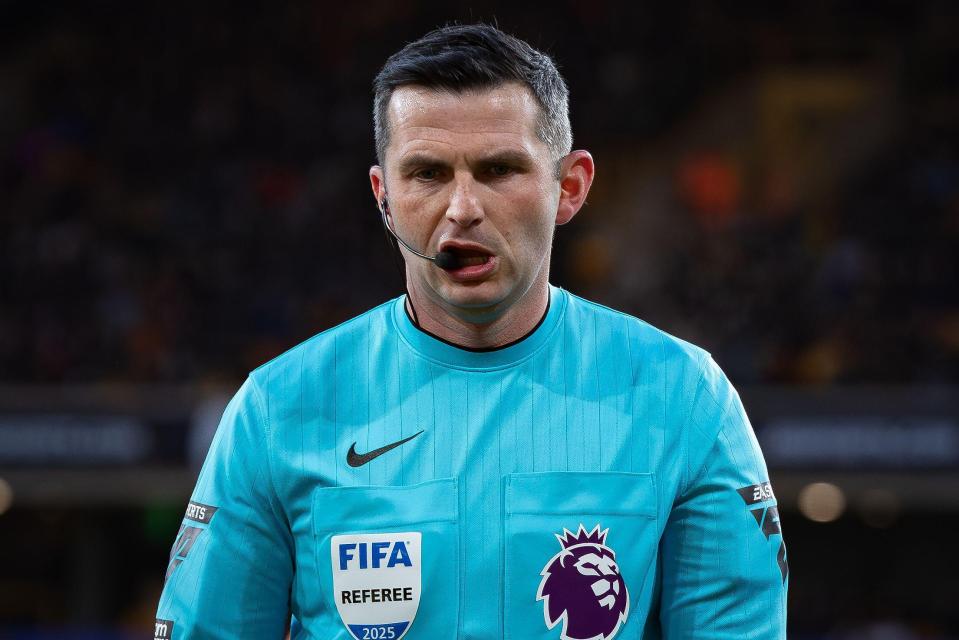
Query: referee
487	456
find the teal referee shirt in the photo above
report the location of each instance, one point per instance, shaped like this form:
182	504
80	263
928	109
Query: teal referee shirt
598	479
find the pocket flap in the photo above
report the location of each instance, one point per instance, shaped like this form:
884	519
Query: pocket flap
375	507
575	492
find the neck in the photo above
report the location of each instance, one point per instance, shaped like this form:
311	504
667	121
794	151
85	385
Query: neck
480	328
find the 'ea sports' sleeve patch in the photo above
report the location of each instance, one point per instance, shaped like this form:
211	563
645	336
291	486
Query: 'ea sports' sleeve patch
757	493
187	536
767	517
198	512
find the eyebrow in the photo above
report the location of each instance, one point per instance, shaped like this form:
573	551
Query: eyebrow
505	156
418	160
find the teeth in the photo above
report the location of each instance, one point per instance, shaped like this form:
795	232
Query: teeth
473	261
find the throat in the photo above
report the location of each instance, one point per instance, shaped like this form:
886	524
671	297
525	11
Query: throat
472	337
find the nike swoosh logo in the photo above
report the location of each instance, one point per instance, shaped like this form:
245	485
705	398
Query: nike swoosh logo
355	459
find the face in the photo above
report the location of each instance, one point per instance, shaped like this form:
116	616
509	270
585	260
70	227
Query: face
466	173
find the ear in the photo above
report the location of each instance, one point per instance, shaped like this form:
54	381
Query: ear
576	177
378	183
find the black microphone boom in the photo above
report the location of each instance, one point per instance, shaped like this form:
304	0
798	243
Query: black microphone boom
445	260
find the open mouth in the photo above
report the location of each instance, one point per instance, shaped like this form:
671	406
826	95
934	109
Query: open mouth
469	257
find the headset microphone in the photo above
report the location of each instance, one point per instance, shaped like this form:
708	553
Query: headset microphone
446	260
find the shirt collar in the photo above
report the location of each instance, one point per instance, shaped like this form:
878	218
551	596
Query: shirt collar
442	352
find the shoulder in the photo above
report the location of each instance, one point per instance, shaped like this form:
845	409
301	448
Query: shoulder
645	345
316	354
681	382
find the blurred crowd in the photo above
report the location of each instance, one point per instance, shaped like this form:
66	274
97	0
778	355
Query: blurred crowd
861	285
183	195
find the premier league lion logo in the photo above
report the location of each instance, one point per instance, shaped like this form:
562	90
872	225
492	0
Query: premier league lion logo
582	587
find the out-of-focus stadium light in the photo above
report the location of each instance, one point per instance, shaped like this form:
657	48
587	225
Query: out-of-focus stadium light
822	502
6	496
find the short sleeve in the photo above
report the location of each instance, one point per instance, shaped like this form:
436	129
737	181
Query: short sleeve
724	567
231	566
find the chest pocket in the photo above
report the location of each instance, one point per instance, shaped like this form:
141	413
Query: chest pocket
387	561
579	548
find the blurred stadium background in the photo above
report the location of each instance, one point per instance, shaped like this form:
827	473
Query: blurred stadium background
183	195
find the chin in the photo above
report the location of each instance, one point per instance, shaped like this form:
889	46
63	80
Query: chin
477	295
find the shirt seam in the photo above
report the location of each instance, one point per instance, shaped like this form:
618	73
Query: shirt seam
273	494
691	479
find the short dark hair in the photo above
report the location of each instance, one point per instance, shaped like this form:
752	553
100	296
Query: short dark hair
475	56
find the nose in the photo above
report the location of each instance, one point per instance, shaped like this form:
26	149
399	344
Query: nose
465	209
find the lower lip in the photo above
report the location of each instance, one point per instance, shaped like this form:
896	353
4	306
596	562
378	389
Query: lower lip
473	272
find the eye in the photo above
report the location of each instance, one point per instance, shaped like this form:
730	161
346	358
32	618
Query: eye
500	170
426	175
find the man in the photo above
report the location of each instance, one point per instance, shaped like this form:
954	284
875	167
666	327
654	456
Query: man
487	456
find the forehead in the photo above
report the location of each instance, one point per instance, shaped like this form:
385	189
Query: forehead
438	119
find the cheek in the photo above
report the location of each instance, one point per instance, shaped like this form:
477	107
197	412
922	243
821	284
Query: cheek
538	239
533	231
527	225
